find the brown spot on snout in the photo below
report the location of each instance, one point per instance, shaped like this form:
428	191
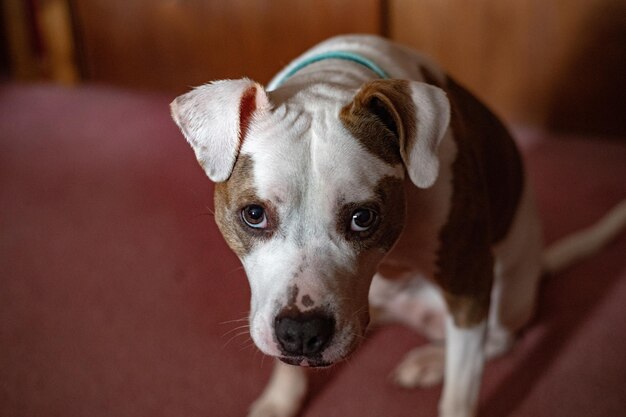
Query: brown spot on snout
307	301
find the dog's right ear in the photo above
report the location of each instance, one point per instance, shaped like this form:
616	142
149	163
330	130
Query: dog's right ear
418	114
215	118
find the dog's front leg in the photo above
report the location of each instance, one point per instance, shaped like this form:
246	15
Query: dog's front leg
465	359
284	393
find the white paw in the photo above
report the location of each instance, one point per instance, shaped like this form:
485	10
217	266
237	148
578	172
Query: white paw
421	367
498	343
284	394
266	406
457	411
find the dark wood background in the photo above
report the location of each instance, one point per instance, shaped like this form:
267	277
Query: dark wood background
172	44
553	63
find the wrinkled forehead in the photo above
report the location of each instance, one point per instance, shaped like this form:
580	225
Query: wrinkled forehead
300	151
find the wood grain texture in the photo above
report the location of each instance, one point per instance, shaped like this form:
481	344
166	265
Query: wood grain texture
22	58
514	53
55	28
174	44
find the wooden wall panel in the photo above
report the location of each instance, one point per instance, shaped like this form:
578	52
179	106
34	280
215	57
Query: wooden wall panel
172	44
18	40
515	54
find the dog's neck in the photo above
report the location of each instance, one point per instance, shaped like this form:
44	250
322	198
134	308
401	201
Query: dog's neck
341	55
339	72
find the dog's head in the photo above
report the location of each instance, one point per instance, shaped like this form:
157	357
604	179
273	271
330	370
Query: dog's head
310	196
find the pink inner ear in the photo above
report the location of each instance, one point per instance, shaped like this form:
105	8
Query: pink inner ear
246	108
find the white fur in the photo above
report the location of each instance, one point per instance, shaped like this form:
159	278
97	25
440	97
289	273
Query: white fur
433	118
422	367
305	162
465	358
410	299
209	118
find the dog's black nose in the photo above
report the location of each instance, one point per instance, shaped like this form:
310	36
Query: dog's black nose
304	335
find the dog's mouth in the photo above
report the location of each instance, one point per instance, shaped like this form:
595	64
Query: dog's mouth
320	360
305	362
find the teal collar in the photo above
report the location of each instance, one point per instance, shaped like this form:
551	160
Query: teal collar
346	56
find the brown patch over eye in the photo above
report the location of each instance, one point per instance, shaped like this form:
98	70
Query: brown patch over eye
389	208
346	222
234	196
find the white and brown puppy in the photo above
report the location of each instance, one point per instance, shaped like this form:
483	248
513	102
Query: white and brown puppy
363	178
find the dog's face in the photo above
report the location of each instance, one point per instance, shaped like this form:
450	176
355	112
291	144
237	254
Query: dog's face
310	196
310	212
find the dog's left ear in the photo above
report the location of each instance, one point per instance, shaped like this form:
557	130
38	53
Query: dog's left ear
215	118
418	114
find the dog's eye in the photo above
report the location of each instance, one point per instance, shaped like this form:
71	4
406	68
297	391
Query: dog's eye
362	219
254	216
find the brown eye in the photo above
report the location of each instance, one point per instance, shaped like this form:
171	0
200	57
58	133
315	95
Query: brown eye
254	216
362	219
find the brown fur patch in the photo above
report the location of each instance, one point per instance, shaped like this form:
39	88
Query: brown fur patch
389	203
467	310
307	301
230	198
487	184
382	117
390	191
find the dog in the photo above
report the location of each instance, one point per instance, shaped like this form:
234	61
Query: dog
365	183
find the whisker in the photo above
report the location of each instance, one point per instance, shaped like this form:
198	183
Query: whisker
247	346
245	326
234	321
358	336
239	268
245	333
201	197
203	214
359	310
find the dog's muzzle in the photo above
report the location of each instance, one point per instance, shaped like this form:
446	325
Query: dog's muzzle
303	337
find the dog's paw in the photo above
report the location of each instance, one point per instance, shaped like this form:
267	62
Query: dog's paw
499	342
284	394
421	367
270	407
